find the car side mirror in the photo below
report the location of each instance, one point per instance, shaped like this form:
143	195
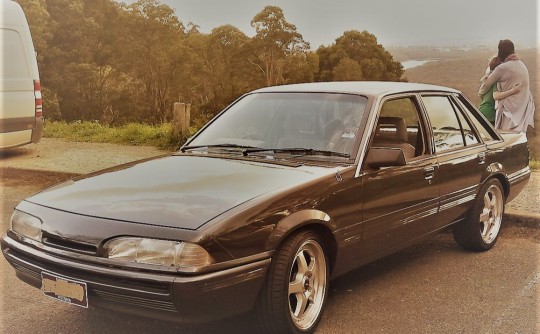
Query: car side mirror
385	157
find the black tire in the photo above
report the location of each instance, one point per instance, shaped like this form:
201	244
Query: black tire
480	231
302	257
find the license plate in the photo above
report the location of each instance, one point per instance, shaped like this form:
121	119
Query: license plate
64	289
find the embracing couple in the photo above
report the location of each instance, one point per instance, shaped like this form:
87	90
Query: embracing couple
507	101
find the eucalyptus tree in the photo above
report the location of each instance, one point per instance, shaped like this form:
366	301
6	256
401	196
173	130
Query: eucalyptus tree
357	56
275	41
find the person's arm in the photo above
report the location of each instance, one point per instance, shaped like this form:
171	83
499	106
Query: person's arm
503	95
490	81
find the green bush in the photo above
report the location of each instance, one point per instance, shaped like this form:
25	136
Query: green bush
130	134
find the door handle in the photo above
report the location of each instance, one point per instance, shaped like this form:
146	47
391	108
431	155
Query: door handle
481	158
429	172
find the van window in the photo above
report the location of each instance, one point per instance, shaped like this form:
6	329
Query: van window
14	62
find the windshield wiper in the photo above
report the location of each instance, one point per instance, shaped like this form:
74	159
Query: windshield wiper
187	148
303	151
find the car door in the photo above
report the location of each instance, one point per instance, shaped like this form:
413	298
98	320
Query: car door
460	156
400	203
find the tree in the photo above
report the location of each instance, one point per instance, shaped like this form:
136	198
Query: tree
275	40
153	53
357	56
347	70
68	59
300	67
226	62
117	63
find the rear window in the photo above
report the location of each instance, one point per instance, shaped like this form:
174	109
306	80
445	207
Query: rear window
13	62
447	130
485	131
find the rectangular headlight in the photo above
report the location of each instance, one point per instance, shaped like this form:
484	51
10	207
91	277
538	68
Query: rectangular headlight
26	225
157	252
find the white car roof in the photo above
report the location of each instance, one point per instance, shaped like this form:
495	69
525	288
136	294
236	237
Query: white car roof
373	88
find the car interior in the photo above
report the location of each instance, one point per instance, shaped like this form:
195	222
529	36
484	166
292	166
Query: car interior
398	126
392	132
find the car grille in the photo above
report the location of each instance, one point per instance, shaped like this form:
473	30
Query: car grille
34	274
54	241
162	305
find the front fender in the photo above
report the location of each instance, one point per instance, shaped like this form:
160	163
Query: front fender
297	220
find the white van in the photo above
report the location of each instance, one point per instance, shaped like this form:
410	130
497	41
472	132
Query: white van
21	110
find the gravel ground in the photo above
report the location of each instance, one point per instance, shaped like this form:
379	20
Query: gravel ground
57	155
528	201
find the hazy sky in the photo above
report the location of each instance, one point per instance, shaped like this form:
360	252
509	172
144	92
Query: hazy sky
393	22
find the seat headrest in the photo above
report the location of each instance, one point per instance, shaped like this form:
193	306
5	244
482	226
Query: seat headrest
401	129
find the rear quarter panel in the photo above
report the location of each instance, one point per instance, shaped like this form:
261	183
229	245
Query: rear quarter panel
509	159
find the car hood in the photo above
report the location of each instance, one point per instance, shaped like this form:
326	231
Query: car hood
175	191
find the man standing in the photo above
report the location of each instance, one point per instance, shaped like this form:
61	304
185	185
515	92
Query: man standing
515	112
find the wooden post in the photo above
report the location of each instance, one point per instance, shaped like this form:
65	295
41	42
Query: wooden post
181	119
187	120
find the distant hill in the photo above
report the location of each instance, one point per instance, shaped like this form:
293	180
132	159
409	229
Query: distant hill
422	52
463	70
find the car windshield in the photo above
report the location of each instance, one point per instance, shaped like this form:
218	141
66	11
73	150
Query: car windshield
293	123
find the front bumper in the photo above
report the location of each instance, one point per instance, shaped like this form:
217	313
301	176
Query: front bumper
173	297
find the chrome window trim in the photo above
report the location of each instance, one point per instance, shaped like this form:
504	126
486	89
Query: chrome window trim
372	121
368	129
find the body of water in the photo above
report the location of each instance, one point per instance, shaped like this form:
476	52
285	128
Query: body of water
415	63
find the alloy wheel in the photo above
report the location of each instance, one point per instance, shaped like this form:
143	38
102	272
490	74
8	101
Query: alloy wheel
307	284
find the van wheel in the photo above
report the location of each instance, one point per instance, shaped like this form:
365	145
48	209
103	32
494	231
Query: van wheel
480	231
296	287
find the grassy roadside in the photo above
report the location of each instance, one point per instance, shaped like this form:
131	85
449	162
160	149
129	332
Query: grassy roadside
160	136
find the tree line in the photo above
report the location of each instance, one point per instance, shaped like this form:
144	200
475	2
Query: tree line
118	63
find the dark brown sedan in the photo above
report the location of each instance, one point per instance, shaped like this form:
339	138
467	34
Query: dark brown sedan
284	190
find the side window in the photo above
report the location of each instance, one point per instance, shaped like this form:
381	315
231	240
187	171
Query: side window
468	132
399	126
446	127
